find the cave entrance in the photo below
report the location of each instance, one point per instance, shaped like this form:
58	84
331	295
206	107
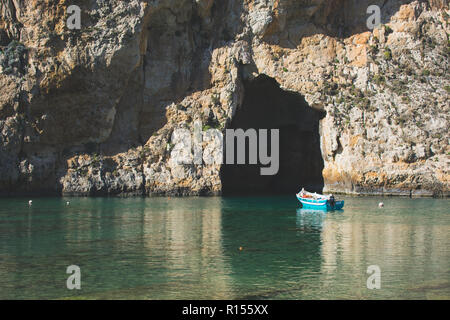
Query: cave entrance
267	106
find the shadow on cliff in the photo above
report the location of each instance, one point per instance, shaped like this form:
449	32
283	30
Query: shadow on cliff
176	51
179	57
175	64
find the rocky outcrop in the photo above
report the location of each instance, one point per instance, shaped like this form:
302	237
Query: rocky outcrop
92	111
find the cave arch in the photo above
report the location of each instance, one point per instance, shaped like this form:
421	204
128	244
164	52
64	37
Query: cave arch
267	106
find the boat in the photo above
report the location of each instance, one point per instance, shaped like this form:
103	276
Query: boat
318	201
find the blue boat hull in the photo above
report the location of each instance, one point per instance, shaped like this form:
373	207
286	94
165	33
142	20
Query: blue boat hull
320	204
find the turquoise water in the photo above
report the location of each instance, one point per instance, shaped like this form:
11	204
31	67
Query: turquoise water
189	248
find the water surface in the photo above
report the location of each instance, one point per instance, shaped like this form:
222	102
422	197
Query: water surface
223	248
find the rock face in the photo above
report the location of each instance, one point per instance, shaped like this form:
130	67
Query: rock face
93	111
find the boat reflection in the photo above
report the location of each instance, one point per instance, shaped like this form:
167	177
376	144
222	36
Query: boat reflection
310	218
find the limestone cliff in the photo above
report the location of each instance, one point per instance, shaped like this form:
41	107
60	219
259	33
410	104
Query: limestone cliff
92	111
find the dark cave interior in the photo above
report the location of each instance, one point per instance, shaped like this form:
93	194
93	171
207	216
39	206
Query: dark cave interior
267	106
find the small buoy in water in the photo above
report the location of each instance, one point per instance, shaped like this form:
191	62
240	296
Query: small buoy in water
240	248
67	203
30	202
381	205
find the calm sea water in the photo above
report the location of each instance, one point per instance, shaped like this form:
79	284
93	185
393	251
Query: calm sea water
188	248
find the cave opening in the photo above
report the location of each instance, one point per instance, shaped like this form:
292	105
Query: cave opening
267	106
